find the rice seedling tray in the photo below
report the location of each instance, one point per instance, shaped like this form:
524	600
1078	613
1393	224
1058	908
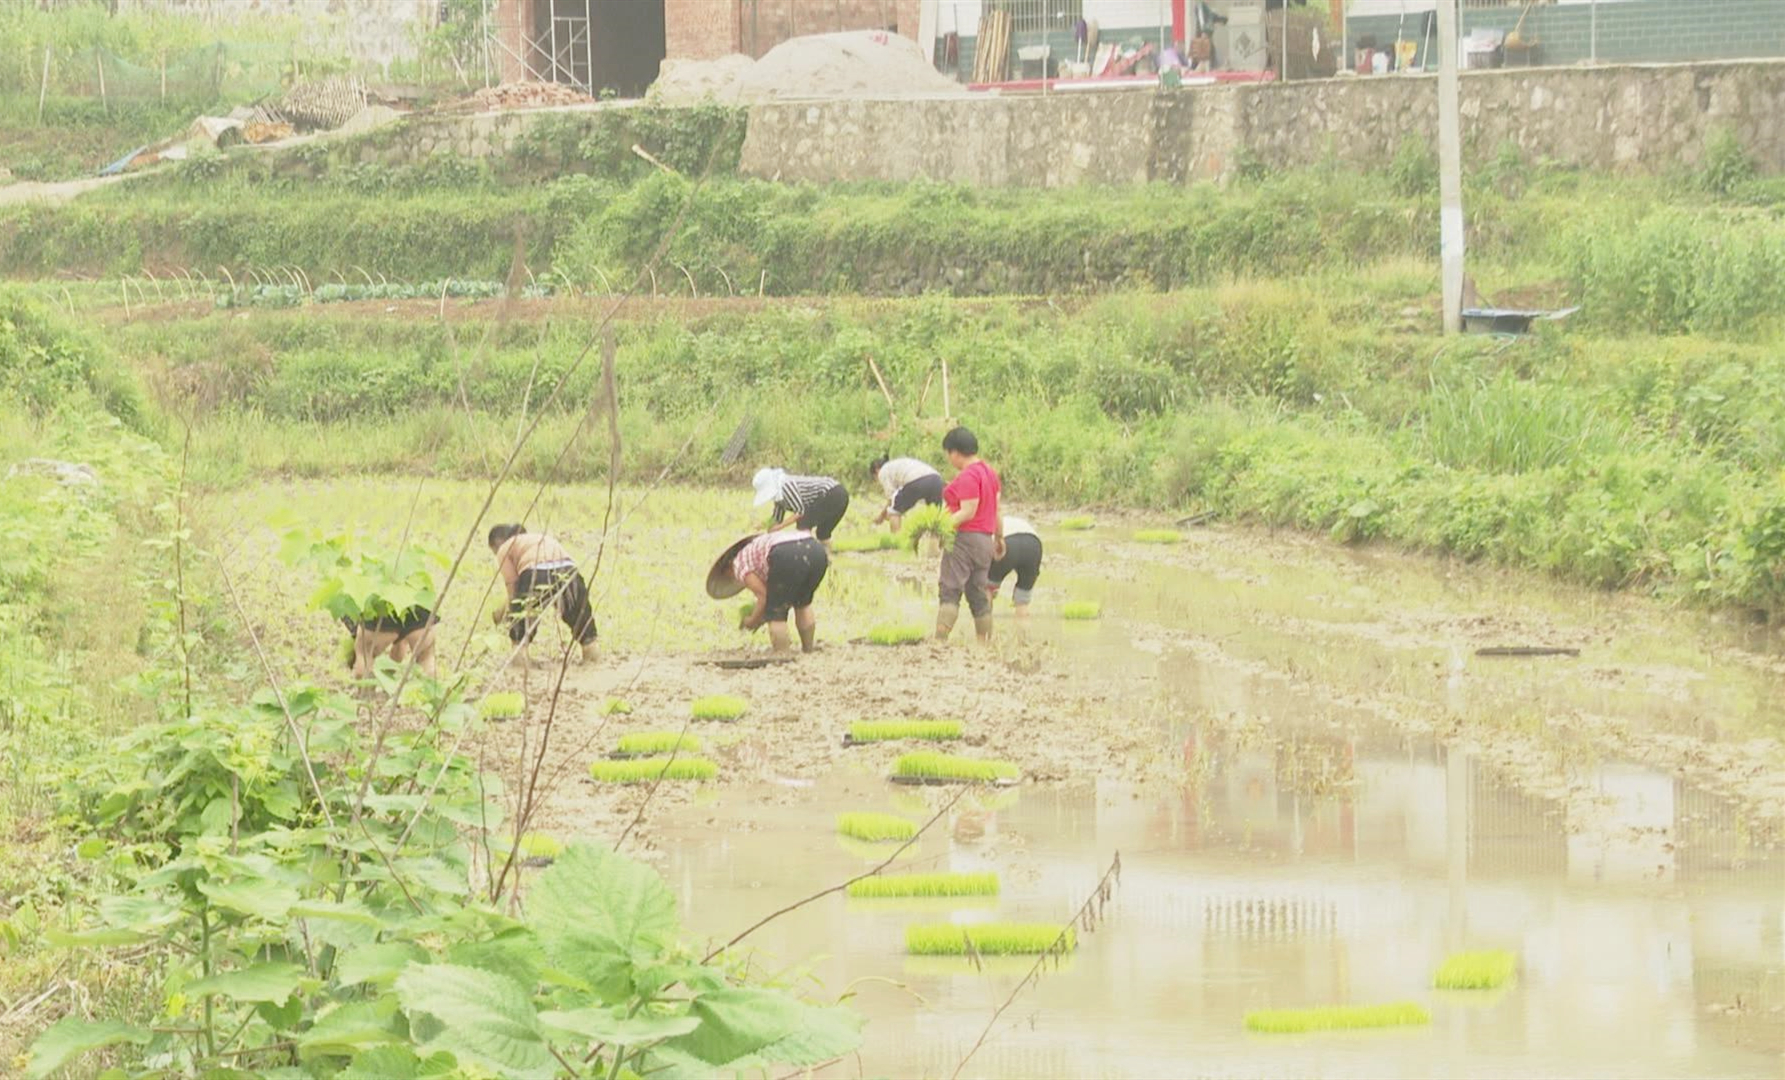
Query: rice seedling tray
1486	970
869	732
989	939
944	781
1336	1018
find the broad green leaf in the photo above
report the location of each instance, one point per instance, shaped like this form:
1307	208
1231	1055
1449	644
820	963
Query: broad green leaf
740	1027
262	982
378	964
348	911
71	1036
139	912
103	935
516	955
601	1025
357	1025
396	1063
263	899
486	1019
596	911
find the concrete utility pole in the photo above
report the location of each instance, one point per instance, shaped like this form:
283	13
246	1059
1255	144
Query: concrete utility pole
1450	170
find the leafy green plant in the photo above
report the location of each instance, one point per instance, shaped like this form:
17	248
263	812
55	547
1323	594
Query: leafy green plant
1081	610
897	634
928	765
658	742
925	521
645	770
888	886
1727	164
364	587
1336	1018
1487	970
865	731
1078	523
503	705
1157	536
988	939
871	826
719	707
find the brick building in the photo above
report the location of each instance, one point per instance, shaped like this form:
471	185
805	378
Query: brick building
618	44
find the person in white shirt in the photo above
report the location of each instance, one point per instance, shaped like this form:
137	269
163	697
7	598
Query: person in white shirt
907	482
1022	557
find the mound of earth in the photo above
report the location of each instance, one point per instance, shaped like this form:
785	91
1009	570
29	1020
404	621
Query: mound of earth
861	64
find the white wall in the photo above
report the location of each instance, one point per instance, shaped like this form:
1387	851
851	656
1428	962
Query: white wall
962	16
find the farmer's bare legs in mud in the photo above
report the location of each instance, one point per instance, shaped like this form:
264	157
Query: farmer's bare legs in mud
807	622
779	639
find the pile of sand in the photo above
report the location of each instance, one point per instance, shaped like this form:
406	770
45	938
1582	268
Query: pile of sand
864	64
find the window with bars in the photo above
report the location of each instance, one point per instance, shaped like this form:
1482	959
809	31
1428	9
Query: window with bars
1038	15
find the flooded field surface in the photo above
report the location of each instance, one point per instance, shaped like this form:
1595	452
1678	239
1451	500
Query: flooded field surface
1317	786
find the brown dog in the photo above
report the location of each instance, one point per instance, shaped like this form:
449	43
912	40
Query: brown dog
411	634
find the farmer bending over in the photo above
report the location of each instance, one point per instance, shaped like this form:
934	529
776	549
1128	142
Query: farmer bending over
907	482
972	500
538	572
783	571
817	503
1022	557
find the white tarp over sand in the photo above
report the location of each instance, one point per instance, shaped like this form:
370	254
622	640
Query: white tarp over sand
865	64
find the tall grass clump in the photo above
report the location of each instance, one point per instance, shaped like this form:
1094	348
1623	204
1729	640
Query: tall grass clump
988	939
719	707
927	765
1488	970
1677	270
645	770
891	886
1508	425
1336	1018
865	731
871	826
658	742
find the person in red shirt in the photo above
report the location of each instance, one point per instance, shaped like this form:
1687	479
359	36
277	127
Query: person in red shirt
972	500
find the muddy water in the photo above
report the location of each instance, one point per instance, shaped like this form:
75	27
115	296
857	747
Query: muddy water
1318	850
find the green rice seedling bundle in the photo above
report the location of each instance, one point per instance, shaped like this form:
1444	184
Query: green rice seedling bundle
645	770
866	731
719	707
989	939
614	706
1079	523
927	521
1082	610
505	705
746	609
1488	970
658	742
889	886
1158	536
897	634
540	846
928	765
1336	1018
871	826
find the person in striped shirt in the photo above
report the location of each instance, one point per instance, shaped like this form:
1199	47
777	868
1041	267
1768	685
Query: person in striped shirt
907	482
817	503
782	570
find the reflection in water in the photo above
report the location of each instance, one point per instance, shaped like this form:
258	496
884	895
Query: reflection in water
1322	870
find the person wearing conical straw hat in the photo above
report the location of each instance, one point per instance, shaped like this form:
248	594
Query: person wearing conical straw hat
782	570
817	503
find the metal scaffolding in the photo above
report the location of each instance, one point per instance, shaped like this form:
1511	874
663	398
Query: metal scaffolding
560	51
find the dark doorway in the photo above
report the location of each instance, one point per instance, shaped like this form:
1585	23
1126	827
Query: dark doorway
629	45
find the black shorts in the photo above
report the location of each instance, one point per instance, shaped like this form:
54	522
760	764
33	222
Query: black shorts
402	625
1022	557
826	512
925	490
796	569
562	588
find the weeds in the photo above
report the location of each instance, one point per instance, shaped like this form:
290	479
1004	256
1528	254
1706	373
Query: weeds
866	731
1336	1018
875	827
1475	970
647	770
723	707
889	886
1081	610
988	939
658	742
933	766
